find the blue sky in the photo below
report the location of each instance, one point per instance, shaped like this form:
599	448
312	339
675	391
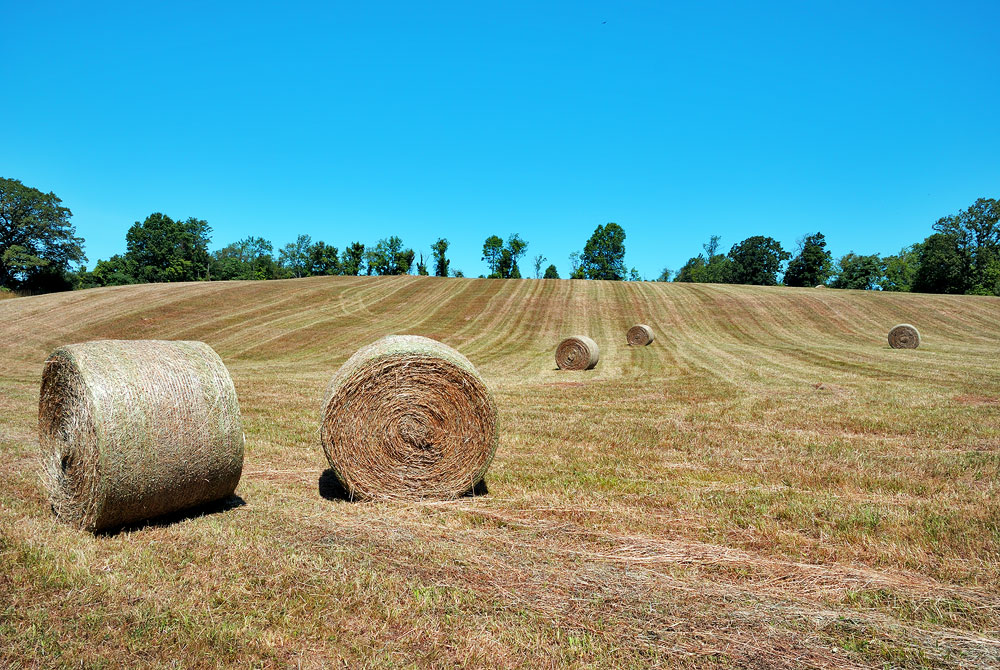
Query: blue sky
356	121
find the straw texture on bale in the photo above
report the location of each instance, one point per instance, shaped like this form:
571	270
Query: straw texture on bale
904	336
131	430
578	352
639	335
408	417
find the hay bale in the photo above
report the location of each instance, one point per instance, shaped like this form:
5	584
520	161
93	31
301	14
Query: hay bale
577	353
639	335
820	285
904	336
408	417
131	430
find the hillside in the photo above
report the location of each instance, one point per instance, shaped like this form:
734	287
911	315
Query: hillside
767	484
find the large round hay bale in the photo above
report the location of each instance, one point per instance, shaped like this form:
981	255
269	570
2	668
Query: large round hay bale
639	335
131	430
904	336
408	417
577	353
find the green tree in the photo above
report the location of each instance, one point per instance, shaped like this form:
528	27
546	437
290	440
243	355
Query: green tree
388	257
422	266
812	265
756	260
502	258
665	274
441	263
976	231
901	268
37	242
322	259
855	271
352	262
603	255
710	267
163	250
943	266
539	261
250	258
693	270
294	256
551	273
492	251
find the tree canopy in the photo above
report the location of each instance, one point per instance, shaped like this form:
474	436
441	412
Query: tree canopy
38	244
813	264
163	250
757	260
502	257
603	255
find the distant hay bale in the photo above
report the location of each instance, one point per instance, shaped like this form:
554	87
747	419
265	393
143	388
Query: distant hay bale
904	336
820	285
577	353
408	417
639	335
131	430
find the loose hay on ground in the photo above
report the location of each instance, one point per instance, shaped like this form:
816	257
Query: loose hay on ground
131	430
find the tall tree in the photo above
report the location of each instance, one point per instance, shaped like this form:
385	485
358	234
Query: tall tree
757	260
812	265
502	257
441	263
37	242
294	256
492	251
859	272
388	257
353	259
901	268
551	273
976	231
250	258
322	259
422	266
943	266
710	267
163	250
603	255
539	261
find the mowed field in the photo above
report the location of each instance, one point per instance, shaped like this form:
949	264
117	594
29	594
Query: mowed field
766	485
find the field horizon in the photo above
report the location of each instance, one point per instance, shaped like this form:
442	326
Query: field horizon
767	484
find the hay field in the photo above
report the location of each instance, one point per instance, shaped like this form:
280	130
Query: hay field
766	485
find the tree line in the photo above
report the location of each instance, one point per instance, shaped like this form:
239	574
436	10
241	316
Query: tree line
40	252
962	256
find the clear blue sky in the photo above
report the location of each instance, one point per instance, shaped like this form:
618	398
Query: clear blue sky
356	121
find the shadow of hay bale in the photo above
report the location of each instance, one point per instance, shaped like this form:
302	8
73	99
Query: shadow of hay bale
208	509
330	488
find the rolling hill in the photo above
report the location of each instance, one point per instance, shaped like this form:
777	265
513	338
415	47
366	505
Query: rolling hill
766	485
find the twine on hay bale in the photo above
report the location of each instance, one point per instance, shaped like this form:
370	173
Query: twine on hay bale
408	417
639	335
904	336
578	352
133	429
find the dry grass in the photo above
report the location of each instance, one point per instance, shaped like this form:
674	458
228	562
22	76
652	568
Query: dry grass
768	486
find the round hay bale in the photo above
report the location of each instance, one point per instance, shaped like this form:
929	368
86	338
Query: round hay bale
820	285
408	417
904	336
639	335
131	430
577	353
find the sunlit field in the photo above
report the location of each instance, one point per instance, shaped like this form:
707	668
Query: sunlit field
768	485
